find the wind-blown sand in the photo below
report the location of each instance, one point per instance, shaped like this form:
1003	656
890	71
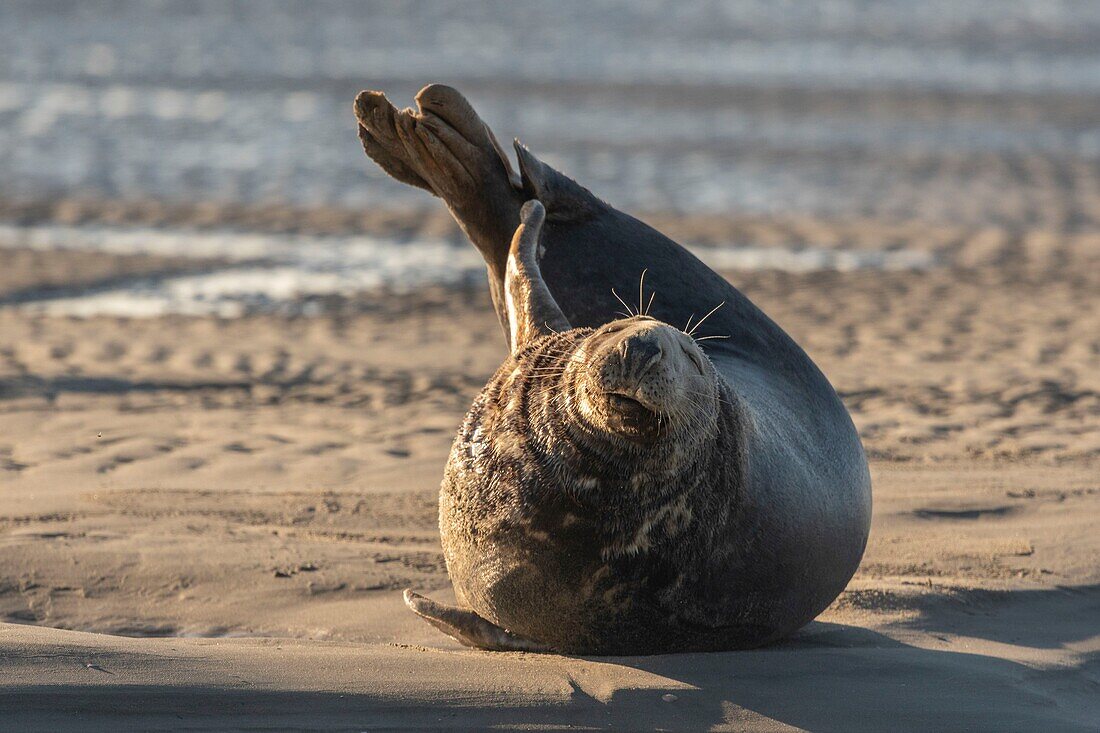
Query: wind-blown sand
207	523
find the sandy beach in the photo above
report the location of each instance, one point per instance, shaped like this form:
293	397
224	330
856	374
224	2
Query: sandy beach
233	353
217	516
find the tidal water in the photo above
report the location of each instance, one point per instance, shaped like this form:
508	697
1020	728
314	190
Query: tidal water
841	108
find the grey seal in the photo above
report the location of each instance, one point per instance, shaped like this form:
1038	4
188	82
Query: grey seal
621	485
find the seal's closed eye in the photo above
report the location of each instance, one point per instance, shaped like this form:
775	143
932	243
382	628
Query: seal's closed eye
694	356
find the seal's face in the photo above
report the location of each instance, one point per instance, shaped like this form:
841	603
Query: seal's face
638	379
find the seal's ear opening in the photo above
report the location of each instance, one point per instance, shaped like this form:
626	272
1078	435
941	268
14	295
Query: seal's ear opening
532	310
564	198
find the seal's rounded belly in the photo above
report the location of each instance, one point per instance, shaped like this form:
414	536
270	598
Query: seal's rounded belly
593	500
588	542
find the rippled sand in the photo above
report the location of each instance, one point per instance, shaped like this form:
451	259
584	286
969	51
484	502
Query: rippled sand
255	492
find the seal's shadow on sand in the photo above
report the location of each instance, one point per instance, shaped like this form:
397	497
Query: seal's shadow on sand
844	678
831	677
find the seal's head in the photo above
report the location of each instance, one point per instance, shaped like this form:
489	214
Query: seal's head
638	378
631	383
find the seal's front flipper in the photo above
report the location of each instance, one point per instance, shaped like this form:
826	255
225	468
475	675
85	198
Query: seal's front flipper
466	627
532	310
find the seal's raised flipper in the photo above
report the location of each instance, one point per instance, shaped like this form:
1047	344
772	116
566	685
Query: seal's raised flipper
466	627
449	105
378	133
532	310
564	198
399	141
445	148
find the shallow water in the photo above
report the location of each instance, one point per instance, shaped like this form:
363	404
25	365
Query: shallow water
737	105
265	272
949	111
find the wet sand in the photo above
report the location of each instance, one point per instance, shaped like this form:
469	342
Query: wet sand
212	520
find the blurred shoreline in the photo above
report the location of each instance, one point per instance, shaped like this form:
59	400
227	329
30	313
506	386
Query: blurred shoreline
232	260
233	353
935	134
940	111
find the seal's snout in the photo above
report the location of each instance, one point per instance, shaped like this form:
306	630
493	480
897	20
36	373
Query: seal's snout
645	376
641	353
654	354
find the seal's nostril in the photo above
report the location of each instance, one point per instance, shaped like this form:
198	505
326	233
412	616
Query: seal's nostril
641	354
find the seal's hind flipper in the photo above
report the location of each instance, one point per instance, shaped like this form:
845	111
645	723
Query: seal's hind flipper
406	145
378	133
466	627
448	104
443	147
564	198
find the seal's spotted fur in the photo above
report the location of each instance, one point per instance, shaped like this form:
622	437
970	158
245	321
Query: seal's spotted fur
561	532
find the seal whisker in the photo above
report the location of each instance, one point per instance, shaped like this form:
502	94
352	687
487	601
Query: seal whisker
708	315
558	352
641	290
553	351
650	304
623	302
707	396
548	368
